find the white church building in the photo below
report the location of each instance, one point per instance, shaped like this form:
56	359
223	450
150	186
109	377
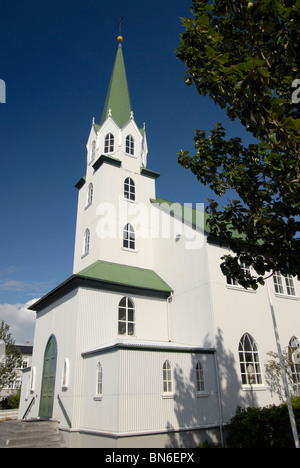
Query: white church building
147	344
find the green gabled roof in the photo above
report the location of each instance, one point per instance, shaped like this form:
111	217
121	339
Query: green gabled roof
125	275
186	213
111	277
118	99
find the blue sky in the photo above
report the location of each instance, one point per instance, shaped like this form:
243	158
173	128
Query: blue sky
56	59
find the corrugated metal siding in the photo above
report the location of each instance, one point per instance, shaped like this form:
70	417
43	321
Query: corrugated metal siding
99	318
142	405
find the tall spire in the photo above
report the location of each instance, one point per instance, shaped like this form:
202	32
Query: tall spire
117	103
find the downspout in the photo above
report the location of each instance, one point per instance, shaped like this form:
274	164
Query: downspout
169	300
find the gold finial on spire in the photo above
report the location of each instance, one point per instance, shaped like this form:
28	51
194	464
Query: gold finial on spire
120	39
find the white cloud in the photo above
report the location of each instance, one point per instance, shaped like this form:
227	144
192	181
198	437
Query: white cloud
20	320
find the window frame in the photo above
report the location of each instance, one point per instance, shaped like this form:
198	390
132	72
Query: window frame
129	145
294	347
231	283
89	195
284	285
168	390
109	143
86	242
129	189
200	381
93	151
126	317
129	237
249	360
99	381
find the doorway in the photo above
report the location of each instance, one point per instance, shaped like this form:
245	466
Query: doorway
48	379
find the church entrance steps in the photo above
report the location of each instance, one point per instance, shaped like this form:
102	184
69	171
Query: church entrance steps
30	434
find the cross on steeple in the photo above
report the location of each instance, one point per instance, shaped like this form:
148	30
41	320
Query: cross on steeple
120	23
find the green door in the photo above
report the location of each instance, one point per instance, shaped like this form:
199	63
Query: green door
48	380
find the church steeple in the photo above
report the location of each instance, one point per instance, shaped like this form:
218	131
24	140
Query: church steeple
117	104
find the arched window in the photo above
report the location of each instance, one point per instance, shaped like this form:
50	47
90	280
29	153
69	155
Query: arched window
294	356
126	321
130	145
89	195
167	377
129	189
199	377
93	152
99	379
109	143
86	242
128	237
249	361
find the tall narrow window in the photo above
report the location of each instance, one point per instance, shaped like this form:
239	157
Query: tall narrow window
278	283
129	189
249	361
126	321
99	379
130	145
109	143
290	288
93	150
199	377
89	195
167	377
86	244
128	237
294	357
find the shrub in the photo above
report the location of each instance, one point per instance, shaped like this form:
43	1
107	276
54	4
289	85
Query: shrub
11	402
267	427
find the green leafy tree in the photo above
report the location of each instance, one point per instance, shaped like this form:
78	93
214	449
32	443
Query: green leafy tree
245	55
11	359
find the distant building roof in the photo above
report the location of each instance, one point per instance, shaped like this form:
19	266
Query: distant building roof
25	349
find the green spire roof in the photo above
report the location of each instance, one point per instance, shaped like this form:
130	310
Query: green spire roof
118	99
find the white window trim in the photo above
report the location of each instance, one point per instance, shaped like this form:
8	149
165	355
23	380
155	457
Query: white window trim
65	378
126	321
284	294
131	146
98	396
203	394
254	388
239	287
245	360
89	196
168	394
127	249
